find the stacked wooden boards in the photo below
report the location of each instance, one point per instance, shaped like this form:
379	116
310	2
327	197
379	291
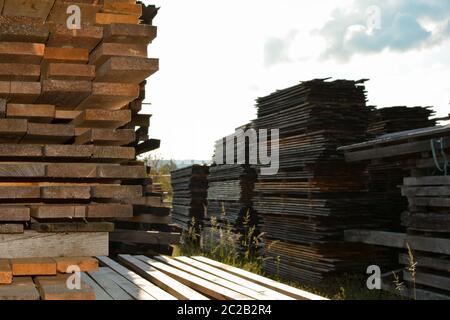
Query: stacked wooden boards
426	242
384	178
46	278
70	125
315	195
230	195
190	187
396	119
139	277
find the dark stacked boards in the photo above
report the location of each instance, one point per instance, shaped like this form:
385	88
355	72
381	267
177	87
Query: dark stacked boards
190	187
230	194
315	195
425	241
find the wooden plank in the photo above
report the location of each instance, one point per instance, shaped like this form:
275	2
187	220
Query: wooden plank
155	201
108	18
65	227
100	294
12	130
88	37
146	289
175	288
66	114
84	264
20	192
266	282
58	211
49	133
129	33
129	8
104	277
69	71
116	192
113	153
434	263
199	284
430	280
98	118
98	211
34	112
22	288
66	192
110	95
65	55
19	72
132	70
426	181
121	172
71	170
426	221
32	244
64	94
21	52
25	170
11	228
105	51
145	237
68	151
14	213
24	92
28	8
106	137
399	240
268	293
33	266
5	89
6	276
3	104
20	150
147	146
56	288
22	29
212	278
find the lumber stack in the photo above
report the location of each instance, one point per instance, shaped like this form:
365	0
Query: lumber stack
384	178
190	187
423	152
45	278
71	126
401	118
315	195
230	195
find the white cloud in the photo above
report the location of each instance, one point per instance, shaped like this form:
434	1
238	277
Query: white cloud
401	25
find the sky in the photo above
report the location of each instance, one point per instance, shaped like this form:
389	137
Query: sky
217	57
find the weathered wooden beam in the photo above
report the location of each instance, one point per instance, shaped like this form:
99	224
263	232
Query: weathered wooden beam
28	8
129	33
109	96
69	71
64	94
106	137
98	118
399	240
32	244
105	51
21	52
126	69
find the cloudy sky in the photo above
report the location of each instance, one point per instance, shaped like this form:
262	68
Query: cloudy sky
217	56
